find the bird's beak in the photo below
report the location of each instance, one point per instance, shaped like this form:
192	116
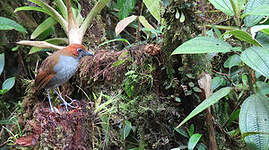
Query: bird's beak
87	53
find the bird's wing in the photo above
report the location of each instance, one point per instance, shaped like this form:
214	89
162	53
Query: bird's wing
46	72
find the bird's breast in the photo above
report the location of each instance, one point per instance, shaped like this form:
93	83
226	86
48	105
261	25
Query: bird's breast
65	69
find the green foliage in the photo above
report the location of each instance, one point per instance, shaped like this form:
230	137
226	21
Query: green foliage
194	139
8	24
244	36
203	45
251	5
223	5
258	59
232	61
125	7
214	98
45	25
253	117
8	83
154	8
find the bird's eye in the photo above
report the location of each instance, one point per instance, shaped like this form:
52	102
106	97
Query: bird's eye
79	50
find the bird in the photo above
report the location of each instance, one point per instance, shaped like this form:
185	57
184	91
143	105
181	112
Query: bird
58	68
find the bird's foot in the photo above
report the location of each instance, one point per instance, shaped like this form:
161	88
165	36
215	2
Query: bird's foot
66	104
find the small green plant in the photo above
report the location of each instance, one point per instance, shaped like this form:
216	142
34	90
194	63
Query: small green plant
193	139
68	17
252	54
8	83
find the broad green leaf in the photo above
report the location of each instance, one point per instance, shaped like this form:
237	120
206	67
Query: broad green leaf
8	83
251	5
145	23
194	139
214	98
125	7
262	10
62	8
52	12
2	62
45	25
224	6
203	45
244	36
8	24
217	82
33	8
262	88
253	117
257	58
124	23
232	61
154	8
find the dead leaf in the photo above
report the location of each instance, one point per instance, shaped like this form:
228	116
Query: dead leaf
124	23
205	82
29	140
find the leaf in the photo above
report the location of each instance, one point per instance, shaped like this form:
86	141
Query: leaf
124	23
2	62
257	58
262	88
232	61
8	83
114	40
145	23
45	25
181	132
224	6
251	5
154	8
203	45
94	11
262	10
125	7
62	8
244	36
29	140
257	28
194	139
233	116
254	117
3	91
57	41
52	12
214	98
127	129
8	24
33	8
217	82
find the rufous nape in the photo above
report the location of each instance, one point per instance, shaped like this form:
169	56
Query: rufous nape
58	68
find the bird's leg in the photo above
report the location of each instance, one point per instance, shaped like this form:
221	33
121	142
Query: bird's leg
48	93
64	102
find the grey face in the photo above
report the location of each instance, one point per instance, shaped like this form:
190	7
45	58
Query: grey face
82	53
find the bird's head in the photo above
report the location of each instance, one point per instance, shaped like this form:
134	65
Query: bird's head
78	51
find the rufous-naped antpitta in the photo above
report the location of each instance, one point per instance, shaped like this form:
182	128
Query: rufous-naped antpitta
58	68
